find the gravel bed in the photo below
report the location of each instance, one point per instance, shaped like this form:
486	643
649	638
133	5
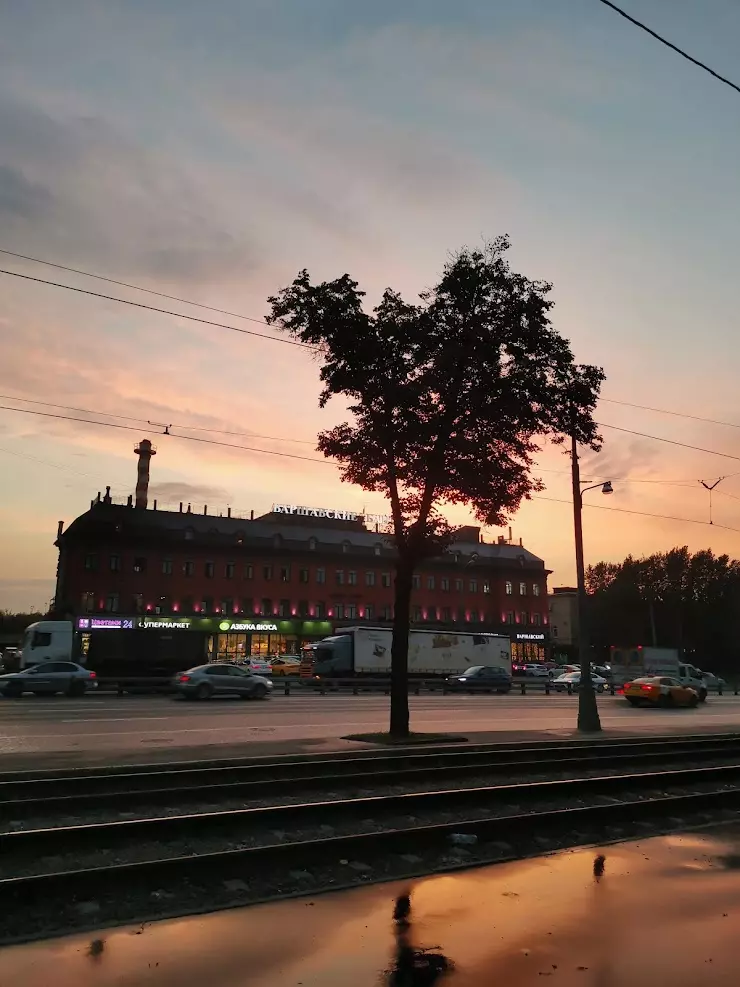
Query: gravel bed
139	906
183	805
240	834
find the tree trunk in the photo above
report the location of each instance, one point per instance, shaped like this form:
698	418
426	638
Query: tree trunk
400	650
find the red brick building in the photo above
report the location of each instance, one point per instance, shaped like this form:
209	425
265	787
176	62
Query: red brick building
271	583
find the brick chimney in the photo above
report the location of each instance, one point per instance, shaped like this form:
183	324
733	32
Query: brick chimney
144	451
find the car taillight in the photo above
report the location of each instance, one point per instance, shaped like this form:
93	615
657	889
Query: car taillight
184	678
647	688
627	685
92	675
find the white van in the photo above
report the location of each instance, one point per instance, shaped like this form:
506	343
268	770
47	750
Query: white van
47	640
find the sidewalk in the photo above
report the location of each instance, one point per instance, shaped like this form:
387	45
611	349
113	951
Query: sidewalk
269	749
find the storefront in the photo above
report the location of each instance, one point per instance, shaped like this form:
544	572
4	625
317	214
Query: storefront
212	638
527	646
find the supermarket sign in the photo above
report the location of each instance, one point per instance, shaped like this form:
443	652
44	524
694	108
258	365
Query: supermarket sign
208	624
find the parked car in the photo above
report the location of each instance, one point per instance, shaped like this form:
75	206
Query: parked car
221	679
257	666
657	690
573	679
480	678
534	670
48	678
286	665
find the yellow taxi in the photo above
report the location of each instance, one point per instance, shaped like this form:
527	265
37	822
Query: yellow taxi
659	690
286	665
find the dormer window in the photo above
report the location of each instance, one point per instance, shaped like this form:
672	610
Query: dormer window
312	544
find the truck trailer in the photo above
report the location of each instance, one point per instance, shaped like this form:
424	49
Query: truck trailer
641	661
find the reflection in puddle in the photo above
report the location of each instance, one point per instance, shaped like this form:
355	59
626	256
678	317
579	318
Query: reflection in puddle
661	911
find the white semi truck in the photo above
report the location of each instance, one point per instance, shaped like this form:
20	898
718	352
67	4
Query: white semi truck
637	662
366	652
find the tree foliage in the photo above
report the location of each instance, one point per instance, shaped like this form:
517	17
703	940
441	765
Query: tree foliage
450	399
670	599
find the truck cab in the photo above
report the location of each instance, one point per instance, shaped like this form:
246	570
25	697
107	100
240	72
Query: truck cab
47	640
691	676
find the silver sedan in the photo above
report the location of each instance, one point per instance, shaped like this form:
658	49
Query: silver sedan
221	679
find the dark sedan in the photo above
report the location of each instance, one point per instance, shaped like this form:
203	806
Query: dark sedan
221	679
480	678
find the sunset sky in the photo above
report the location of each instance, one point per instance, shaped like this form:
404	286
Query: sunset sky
211	150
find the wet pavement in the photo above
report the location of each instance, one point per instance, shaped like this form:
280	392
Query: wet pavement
663	911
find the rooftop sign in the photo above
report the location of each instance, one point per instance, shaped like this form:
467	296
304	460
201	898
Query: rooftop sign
332	513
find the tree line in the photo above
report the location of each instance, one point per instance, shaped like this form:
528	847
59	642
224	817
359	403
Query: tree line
672	599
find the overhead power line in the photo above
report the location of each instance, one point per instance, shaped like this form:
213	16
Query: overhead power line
674	414
624	510
669	44
162	311
672	442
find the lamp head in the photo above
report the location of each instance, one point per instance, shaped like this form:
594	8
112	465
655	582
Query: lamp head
607	488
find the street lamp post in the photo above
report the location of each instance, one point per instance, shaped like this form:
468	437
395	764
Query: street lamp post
588	713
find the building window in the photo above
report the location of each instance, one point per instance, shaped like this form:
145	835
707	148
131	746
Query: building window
369	578
88	602
277	541
351	578
209	569
247	605
320	610
522	589
115	563
509	588
138	603
188	568
91	561
312	544
446	615
266	608
345	547
340	577
416	614
445	584
350	611
321	576
536	619
535	589
284	573
227	606
140	563
430	582
207	604
385	580
473	585
416	581
112	603
459	585
303	575
249	571
229	570
303	608
510	617
240	537
523	617
166	567
267	572
284	609
339	611
368	611
486	586
431	613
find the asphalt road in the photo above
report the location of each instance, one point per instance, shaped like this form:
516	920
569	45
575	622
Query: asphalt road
109	723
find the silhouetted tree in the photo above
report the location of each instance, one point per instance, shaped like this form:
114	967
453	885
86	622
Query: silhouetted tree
450	398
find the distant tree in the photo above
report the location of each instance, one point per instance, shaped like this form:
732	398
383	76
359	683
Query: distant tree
450	399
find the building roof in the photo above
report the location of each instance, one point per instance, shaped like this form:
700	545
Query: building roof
114	522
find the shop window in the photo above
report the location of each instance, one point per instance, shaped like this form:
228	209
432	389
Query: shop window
416	581
473	585
445	584
369	614
509	588
321	576
351	578
535	589
522	589
88	602
303	575
209	569
284	608
284	573
320	610
91	561
112	603
115	563
188	568
166	567
340	577
266	608
486	586
430	582
385	579
229	570
249	571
